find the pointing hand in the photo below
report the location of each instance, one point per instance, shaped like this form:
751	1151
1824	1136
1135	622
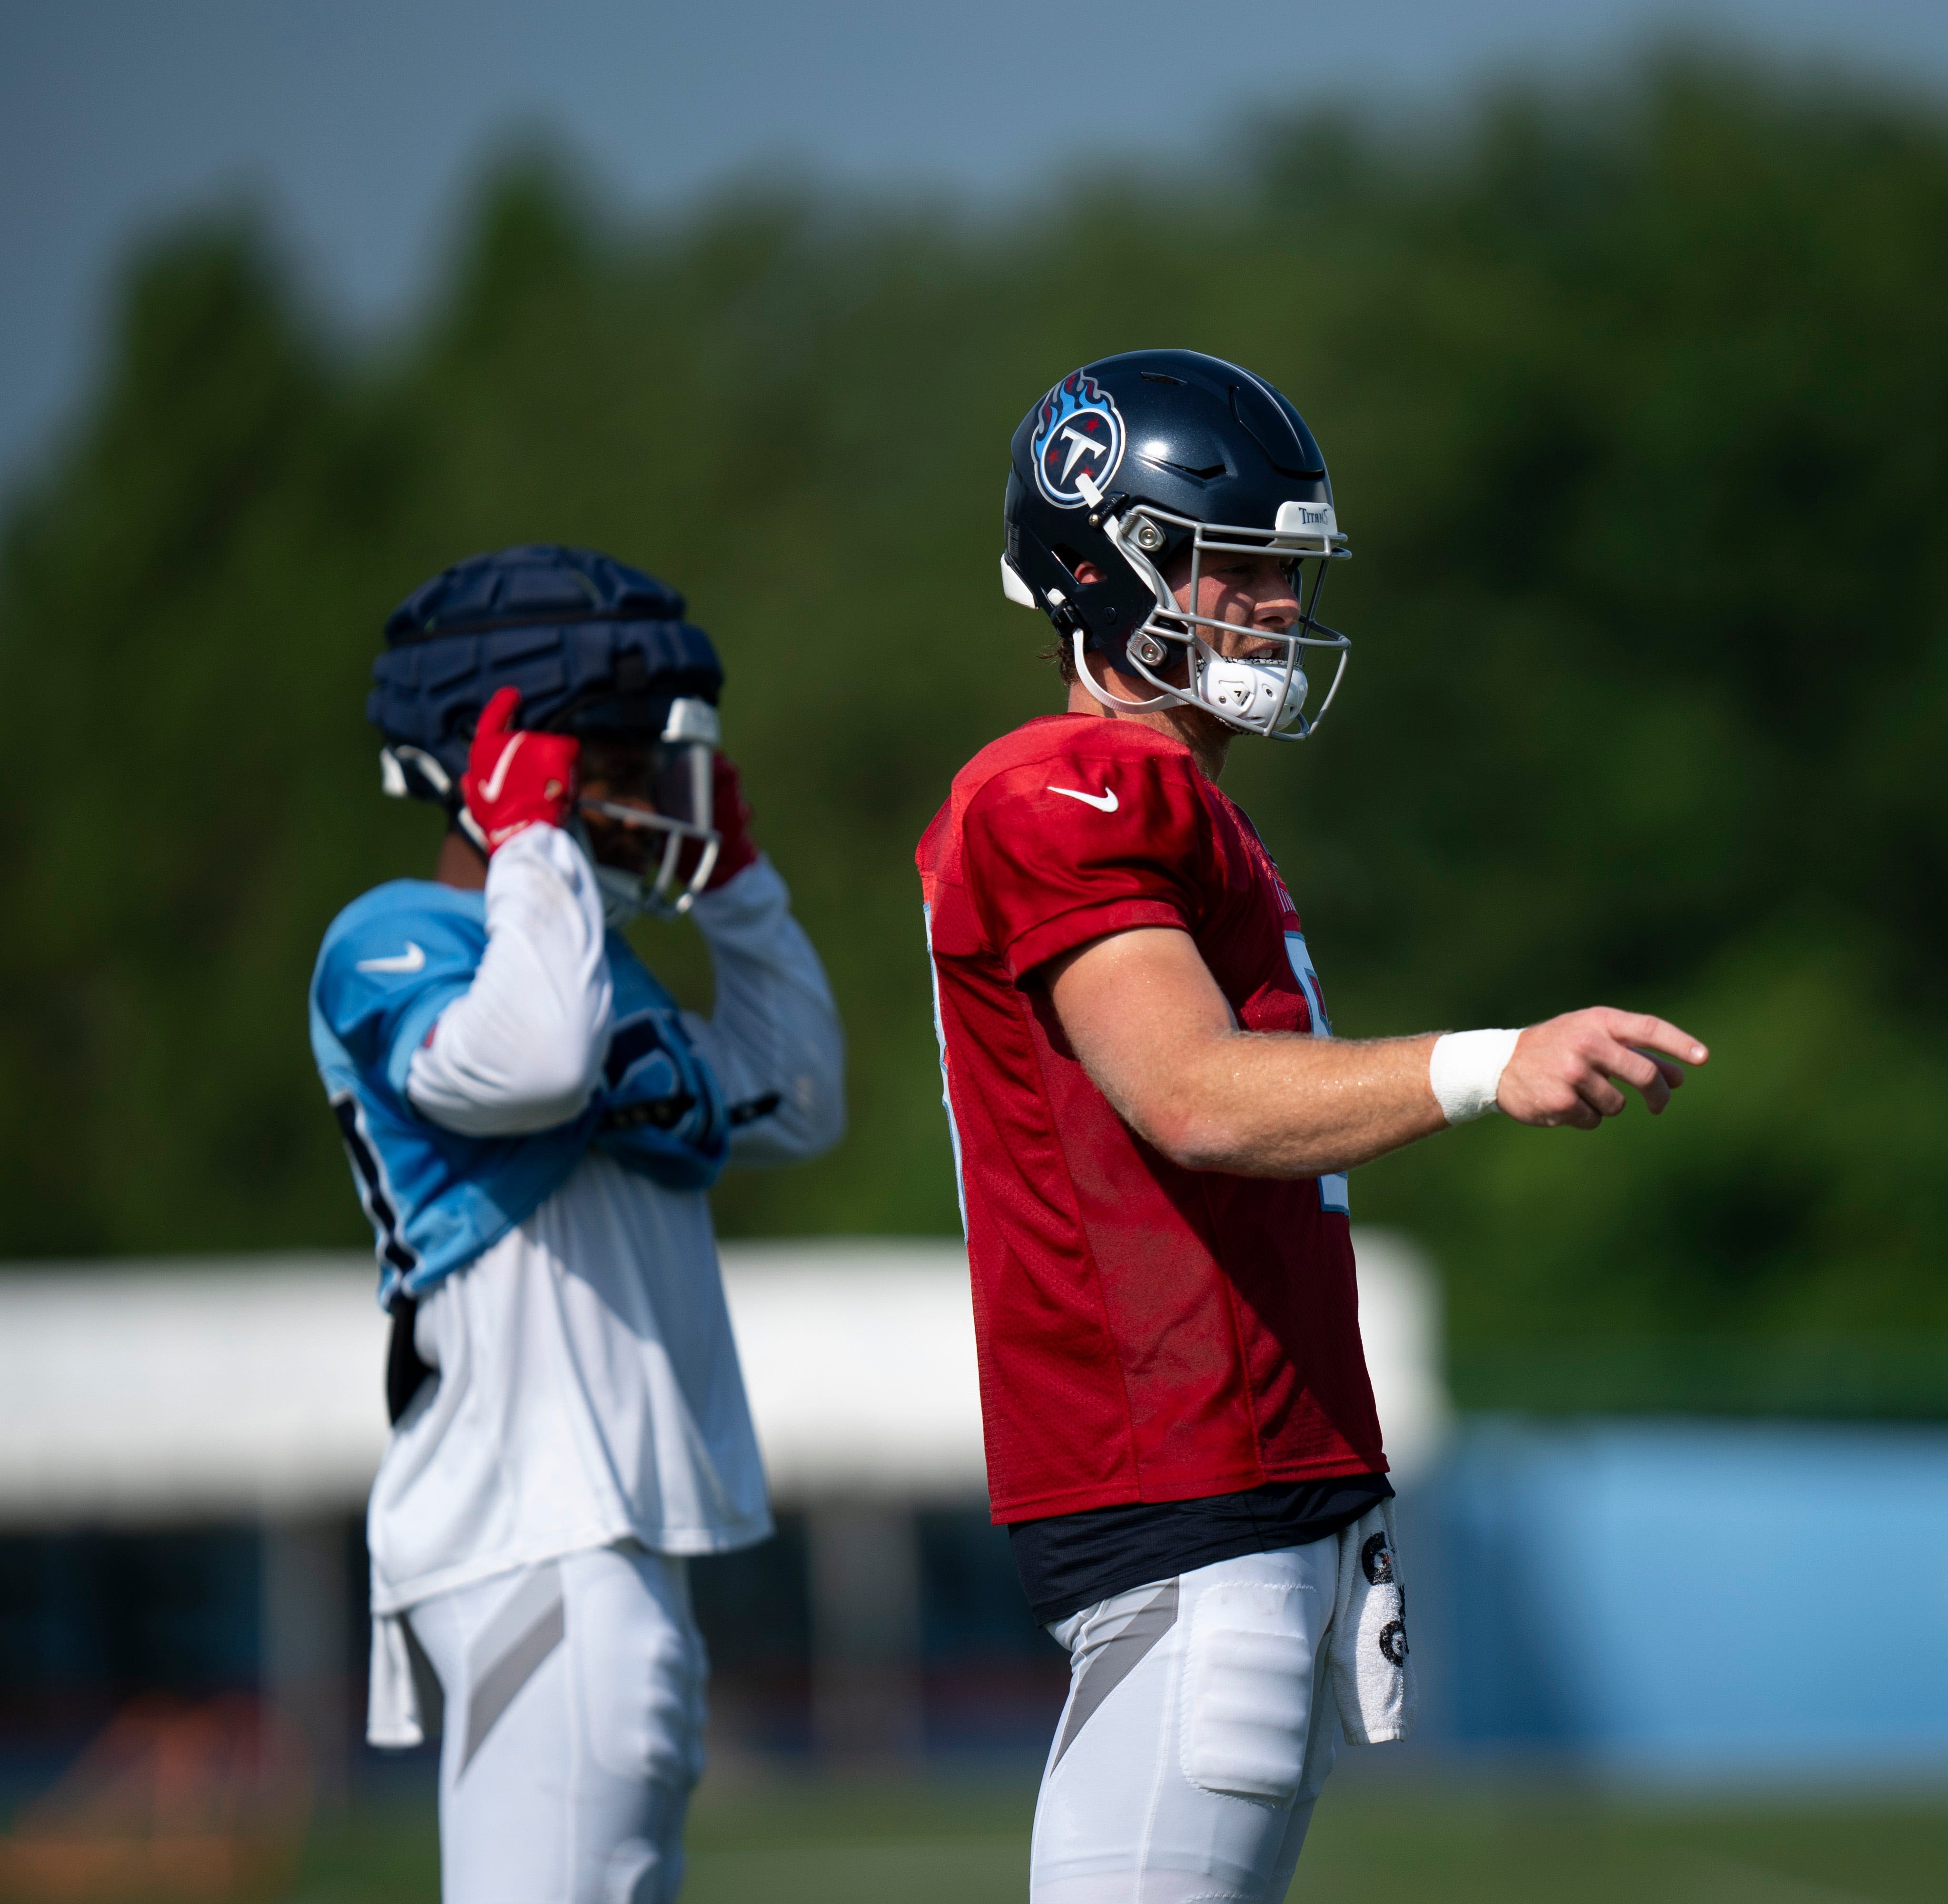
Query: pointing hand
1566	1071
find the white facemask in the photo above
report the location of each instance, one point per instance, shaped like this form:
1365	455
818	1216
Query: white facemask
689	742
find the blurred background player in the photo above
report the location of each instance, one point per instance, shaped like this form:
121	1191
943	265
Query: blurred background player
1152	1123
533	1125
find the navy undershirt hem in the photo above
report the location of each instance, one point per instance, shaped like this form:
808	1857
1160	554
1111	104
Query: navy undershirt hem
1069	1561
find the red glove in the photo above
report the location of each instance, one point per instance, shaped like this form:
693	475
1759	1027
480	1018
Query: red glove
730	815
516	777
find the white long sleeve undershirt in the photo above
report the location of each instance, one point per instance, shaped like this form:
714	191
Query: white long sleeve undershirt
588	1389
774	1027
522	1049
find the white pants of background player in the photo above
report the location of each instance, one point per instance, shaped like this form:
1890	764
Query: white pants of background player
1199	1729
573	1730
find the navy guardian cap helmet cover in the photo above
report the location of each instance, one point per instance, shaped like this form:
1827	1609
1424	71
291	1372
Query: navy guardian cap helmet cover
1130	462
594	646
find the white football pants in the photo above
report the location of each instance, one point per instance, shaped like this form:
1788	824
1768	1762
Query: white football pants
573	1730
1198	1731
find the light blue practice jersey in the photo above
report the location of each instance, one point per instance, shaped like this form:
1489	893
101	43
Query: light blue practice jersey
391	962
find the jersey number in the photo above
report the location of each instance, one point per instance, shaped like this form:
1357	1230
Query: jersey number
1334	1195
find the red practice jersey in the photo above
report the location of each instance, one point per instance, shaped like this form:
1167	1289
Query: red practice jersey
1145	1332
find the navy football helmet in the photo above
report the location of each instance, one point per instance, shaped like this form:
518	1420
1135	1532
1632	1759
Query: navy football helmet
598	649
1132	461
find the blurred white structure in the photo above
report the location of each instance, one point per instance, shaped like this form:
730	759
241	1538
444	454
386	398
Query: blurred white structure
188	1389
859	1357
194	1389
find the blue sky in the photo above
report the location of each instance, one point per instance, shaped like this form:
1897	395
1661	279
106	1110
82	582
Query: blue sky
361	125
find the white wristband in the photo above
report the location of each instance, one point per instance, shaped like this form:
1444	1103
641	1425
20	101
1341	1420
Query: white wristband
1466	1070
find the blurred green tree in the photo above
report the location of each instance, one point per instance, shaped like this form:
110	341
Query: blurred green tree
1638	417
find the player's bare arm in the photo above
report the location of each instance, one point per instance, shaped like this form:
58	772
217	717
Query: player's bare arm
1144	1014
1142	1011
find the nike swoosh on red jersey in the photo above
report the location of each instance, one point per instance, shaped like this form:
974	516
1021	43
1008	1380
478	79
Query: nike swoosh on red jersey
1103	803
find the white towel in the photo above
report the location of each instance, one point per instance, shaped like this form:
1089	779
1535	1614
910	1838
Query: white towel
403	1703
1372	1672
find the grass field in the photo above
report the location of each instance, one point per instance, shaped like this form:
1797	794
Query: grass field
818	1844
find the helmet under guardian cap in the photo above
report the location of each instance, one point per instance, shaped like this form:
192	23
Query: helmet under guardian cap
596	649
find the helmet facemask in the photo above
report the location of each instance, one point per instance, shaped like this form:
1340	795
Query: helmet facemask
1264	693
659	787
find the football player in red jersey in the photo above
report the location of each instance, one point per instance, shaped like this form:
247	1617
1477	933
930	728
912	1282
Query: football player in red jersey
1151	1125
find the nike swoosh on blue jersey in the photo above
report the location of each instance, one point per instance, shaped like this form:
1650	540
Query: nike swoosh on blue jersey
413	959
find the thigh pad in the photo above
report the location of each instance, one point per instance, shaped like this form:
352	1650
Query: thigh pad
1247	1687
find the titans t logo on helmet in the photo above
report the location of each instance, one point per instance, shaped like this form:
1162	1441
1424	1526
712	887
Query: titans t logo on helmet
1078	433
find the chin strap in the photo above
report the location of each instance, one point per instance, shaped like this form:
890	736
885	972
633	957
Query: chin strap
399	766
1169	698
1247	674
